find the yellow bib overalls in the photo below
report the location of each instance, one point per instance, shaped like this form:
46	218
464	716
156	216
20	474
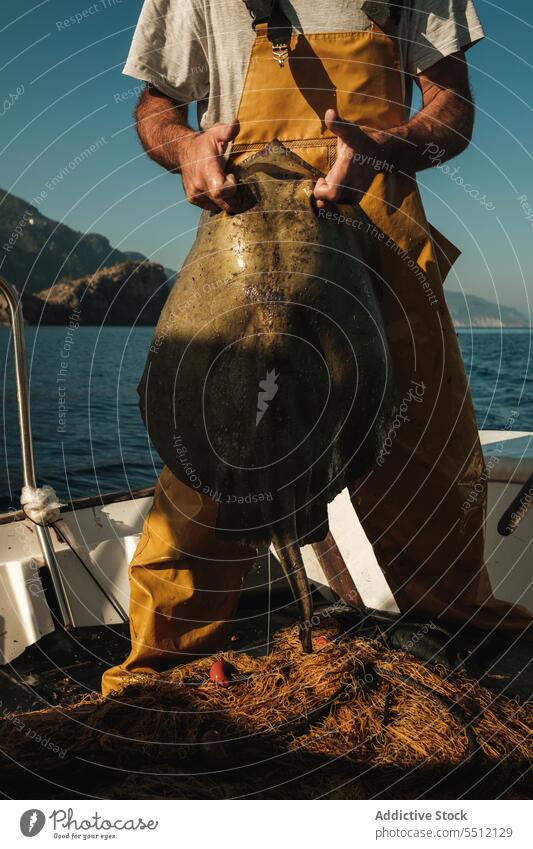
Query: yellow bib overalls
184	582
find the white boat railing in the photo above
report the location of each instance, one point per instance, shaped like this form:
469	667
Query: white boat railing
12	298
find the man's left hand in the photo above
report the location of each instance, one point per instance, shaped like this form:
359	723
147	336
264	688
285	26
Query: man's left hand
360	155
445	120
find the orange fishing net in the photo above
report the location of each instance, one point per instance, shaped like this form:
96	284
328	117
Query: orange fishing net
351	720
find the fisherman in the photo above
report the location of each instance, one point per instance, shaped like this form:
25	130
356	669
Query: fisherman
333	82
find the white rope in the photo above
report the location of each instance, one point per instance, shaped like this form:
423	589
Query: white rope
40	504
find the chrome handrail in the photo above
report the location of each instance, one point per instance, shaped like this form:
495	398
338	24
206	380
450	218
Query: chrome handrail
28	464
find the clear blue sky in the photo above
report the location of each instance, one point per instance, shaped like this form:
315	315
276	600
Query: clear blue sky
68	80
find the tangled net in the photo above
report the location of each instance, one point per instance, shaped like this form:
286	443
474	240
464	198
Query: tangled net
351	720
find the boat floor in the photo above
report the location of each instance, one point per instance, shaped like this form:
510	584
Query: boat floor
63	667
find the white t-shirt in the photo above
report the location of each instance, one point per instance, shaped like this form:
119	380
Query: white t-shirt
198	50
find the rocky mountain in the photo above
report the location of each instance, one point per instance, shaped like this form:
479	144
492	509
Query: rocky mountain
473	311
35	251
127	293
56	265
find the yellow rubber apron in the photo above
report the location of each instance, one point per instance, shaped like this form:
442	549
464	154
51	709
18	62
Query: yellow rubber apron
421	506
184	584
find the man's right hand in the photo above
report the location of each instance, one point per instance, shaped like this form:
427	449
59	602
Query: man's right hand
169	140
200	164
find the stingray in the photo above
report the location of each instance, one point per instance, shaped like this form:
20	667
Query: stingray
267	386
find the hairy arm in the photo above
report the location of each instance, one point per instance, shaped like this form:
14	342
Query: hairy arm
446	117
444	123
162	126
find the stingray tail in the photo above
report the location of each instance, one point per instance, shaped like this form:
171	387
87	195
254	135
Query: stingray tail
291	561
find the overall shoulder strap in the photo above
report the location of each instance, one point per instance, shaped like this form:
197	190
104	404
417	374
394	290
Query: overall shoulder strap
396	10
279	27
260	10
269	11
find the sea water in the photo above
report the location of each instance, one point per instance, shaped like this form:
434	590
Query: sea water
87	430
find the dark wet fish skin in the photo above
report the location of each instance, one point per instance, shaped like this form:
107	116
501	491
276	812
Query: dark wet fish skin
268	382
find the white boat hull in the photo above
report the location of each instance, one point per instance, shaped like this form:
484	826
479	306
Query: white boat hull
105	537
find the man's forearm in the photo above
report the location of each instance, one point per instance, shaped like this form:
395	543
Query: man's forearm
444	123
162	128
445	119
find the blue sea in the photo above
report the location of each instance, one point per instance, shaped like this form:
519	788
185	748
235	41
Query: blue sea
98	443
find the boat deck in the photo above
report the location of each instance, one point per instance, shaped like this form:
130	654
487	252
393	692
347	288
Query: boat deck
63	667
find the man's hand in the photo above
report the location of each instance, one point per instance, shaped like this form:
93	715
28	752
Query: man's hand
359	157
445	119
200	164
168	140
